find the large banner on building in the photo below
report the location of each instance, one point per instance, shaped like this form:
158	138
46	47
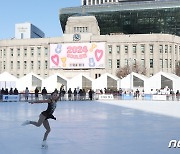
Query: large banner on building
77	55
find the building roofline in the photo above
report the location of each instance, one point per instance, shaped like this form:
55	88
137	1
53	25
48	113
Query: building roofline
140	5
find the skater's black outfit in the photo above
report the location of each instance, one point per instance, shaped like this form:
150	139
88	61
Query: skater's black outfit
50	110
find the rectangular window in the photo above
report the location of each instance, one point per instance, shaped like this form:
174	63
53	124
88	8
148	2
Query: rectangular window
32	51
97	75
160	48
170	63
18	65
46	51
110	48
166	49
86	28
4	53
166	63
25	52
39	51
161	63
32	65
126	49
18	52
118	49
118	63
134	62
175	49
39	64
11	64
170	49
4	66
151	48
74	29
46	64
11	52
151	63
134	49
142	62
142	49
25	64
110	63
126	62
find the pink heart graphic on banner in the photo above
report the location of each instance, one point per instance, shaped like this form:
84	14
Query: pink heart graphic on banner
55	59
98	54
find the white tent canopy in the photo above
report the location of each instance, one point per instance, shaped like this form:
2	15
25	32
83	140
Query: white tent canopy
7	81
133	81
54	82
31	81
107	81
162	80
80	81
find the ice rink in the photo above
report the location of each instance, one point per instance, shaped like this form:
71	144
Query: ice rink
91	127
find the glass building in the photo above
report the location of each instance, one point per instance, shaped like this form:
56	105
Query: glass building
140	17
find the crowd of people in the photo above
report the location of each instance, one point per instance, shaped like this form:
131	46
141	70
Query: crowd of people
72	95
83	94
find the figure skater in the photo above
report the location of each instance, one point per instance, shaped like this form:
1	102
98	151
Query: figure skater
45	115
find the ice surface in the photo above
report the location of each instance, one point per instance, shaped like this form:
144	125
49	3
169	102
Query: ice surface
90	128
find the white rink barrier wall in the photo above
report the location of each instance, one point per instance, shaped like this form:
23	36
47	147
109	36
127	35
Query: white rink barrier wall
31	97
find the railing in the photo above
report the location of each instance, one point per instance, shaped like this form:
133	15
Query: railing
22	97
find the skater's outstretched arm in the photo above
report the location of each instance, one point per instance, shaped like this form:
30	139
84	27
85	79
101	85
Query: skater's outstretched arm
40	101
55	97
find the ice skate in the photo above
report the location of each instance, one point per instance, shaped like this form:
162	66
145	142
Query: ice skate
44	145
27	122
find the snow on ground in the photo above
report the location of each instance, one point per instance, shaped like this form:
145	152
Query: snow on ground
92	127
169	108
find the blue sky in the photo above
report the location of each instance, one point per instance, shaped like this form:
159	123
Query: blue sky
42	13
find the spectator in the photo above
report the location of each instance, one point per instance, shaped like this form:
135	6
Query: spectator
137	93
36	94
16	91
75	94
69	94
105	90
80	94
84	94
6	92
26	93
90	94
172	94
61	91
11	91
177	95
2	91
44	93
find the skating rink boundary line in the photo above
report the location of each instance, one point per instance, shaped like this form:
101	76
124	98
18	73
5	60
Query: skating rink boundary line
167	108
